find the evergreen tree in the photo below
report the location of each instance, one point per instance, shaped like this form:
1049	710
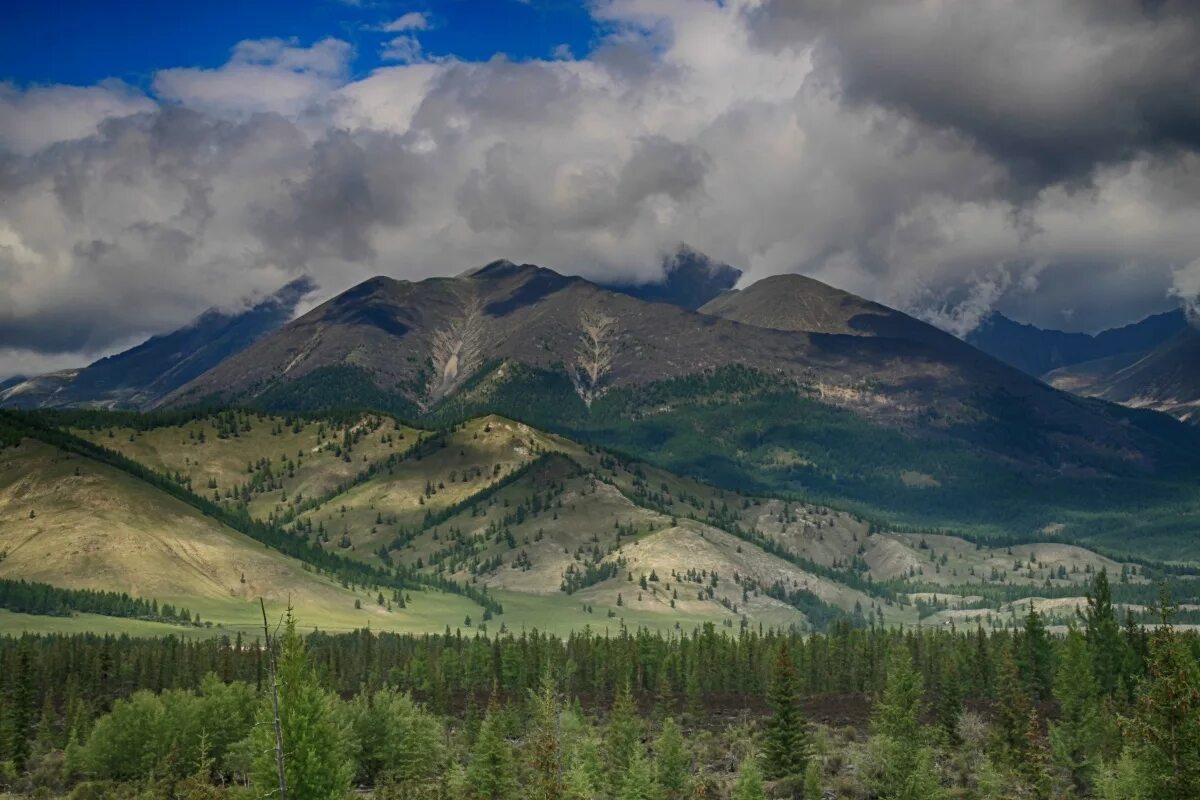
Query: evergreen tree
316	762
491	775
18	713
786	743
1104	636
749	784
1076	737
904	760
544	746
623	738
812	781
1017	734
1166	723
671	762
1036	656
638	781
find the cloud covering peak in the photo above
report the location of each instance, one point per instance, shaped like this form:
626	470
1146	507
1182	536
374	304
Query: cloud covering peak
945	157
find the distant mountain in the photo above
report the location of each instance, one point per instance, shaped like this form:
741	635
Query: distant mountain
140	377
1036	351
690	279
1166	378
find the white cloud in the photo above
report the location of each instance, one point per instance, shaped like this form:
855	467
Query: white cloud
412	21
677	128
37	117
405	49
261	75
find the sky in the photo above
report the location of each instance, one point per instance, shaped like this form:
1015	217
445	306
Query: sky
947	157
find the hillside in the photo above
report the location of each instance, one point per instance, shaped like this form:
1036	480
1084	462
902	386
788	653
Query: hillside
564	535
74	522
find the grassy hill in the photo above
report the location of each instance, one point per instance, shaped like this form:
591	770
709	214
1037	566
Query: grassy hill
74	522
523	528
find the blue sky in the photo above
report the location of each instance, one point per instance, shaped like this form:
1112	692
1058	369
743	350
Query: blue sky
81	42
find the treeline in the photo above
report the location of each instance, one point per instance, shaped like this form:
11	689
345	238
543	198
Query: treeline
28	597
1106	712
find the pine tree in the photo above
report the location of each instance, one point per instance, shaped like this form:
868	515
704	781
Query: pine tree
903	755
491	775
1166	724
624	738
671	762
749	784
1104	636
1036	656
544	746
638	780
812	781
317	765
1077	735
786	743
17	713
1017	734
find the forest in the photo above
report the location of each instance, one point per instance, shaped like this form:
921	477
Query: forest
1108	709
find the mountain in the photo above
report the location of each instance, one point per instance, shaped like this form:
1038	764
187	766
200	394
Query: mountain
141	376
690	279
896	418
800	303
1165	379
1037	351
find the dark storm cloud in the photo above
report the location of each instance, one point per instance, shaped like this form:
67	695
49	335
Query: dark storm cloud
1052	88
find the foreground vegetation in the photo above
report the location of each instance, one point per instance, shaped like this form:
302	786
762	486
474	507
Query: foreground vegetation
1108	711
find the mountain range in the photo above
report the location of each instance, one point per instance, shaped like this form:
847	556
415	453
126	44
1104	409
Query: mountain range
1150	364
787	385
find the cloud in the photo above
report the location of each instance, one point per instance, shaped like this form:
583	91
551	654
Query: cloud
412	21
34	118
261	75
921	169
405	49
1052	88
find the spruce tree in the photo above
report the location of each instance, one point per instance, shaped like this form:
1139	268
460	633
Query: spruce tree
316	761
671	762
786	743
749	784
903	756
637	783
1077	734
491	774
1104	636
544	747
624	738
1018	739
1036	656
1166	724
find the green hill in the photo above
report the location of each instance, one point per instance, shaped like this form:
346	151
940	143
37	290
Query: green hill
489	522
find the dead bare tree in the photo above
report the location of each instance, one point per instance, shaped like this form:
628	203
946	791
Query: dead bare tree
275	702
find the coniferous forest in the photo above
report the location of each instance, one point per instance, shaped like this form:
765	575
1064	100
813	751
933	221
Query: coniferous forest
1107	709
